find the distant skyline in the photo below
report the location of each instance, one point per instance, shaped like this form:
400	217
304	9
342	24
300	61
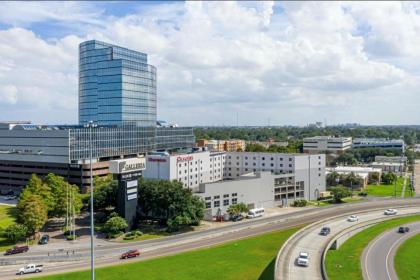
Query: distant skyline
223	63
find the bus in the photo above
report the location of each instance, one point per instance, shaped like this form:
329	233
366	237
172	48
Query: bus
254	213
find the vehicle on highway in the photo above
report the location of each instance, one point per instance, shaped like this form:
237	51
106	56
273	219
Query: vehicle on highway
389	212
10	197
236	218
325	231
303	259
30	268
353	218
130	254
17	250
44	239
403	229
254	213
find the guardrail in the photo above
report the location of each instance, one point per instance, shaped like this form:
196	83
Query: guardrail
351	231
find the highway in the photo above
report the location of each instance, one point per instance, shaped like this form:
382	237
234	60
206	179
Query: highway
108	255
310	241
378	256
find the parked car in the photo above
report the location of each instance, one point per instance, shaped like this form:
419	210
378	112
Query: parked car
325	231
353	218
44	239
403	229
130	254
30	268
17	250
237	218
389	212
303	259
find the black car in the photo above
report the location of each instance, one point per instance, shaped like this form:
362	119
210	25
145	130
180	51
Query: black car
403	229
237	218
44	239
325	231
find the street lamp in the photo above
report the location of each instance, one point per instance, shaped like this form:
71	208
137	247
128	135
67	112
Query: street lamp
91	125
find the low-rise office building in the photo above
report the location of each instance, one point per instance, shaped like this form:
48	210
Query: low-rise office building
231	145
309	169
322	144
256	190
390	164
191	169
395	144
361	171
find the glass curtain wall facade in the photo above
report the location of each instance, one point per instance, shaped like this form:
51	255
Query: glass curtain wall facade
115	141
116	86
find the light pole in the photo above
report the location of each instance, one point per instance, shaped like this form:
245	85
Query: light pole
91	125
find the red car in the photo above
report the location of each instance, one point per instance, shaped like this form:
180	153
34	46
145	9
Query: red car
17	250
130	254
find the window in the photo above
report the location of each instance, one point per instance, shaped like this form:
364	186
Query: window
263	158
319	174
272	164
254	164
234	201
281	159
319	157
246	157
290	165
281	164
246	163
290	159
180	172
180	165
237	157
319	163
208	198
272	158
226	195
216	203
225	202
216	196
263	164
254	158
235	194
208	205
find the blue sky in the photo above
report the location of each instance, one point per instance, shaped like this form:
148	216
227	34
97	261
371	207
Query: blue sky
290	62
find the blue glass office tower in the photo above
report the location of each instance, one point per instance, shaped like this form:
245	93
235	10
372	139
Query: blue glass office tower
116	86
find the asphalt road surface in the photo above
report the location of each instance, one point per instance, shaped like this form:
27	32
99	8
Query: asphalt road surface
310	241
108	255
378	257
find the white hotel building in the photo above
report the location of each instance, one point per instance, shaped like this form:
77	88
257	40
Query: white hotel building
203	167
191	169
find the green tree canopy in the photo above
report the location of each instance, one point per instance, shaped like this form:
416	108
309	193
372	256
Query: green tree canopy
236	209
33	213
339	193
170	203
105	192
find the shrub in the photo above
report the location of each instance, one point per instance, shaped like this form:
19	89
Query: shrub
299	203
16	232
114	226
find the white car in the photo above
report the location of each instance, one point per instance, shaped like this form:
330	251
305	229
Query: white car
353	218
30	268
303	259
390	212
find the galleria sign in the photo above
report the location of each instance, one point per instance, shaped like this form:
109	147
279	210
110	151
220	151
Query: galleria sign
127	165
185	158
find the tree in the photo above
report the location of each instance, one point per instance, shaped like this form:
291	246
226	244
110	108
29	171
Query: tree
332	178
236	209
16	232
339	193
36	186
389	178
169	203
352	180
115	225
374	177
33	213
105	192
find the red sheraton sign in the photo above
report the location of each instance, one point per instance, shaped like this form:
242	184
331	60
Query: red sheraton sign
156	159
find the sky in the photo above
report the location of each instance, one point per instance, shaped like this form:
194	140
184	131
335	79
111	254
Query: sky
223	63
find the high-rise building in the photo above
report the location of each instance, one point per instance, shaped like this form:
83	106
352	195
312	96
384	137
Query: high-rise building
116	85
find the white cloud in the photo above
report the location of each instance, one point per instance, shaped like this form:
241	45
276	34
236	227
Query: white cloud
8	94
292	62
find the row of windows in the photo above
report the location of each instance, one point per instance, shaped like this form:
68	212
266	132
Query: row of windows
225	203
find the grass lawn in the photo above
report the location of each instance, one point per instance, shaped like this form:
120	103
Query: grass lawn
7	218
251	258
387	190
406	259
344	263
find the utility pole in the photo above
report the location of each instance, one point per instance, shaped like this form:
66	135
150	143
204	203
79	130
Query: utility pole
91	125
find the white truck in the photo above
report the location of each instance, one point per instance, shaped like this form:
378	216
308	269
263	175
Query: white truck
30	268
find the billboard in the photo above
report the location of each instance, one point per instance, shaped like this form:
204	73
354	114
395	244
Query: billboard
122	166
